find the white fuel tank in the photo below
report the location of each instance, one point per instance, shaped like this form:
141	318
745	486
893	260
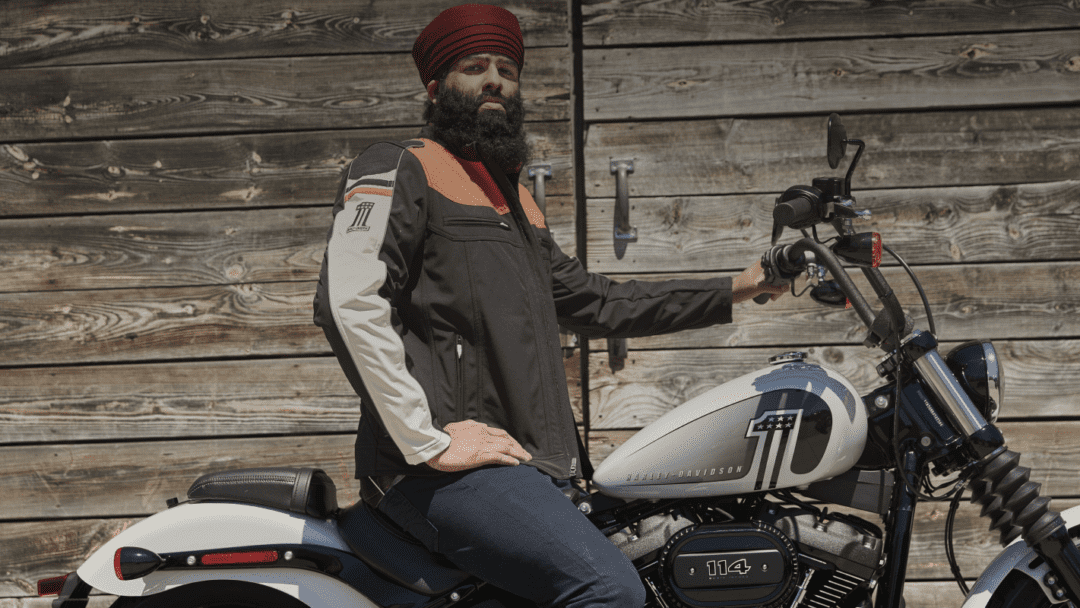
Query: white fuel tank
786	425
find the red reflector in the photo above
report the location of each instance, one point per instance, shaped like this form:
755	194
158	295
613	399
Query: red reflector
875	241
246	557
847	304
116	563
51	586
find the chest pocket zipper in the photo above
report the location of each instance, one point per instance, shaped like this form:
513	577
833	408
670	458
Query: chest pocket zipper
460	377
476	221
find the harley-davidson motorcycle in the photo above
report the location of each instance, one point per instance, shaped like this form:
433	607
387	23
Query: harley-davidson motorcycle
722	502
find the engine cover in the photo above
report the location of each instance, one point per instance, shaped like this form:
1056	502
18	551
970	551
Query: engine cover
729	566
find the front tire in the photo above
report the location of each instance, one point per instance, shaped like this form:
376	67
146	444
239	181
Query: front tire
214	594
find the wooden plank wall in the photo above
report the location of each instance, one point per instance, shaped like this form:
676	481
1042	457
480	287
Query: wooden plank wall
166	170
970	115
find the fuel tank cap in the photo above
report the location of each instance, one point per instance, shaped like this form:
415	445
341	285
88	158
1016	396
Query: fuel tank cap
792	357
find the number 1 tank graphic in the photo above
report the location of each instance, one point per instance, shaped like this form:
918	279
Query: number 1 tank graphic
779	427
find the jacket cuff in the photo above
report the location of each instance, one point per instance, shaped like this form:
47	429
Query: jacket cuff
429	451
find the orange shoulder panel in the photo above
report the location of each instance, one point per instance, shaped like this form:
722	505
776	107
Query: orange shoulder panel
536	218
449	178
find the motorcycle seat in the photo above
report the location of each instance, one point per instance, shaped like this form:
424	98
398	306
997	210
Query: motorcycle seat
307	491
395	554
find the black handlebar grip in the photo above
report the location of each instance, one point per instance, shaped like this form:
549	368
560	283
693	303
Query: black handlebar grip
794	212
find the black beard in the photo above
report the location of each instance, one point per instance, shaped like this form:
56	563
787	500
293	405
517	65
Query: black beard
458	122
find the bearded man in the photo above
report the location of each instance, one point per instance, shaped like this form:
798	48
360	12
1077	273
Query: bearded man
442	293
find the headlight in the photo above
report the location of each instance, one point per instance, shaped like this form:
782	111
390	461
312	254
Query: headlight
976	366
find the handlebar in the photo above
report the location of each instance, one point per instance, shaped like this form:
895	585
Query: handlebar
785	262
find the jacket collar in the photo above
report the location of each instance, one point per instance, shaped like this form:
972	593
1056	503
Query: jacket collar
468	154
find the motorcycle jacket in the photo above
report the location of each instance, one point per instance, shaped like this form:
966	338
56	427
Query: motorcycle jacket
441	293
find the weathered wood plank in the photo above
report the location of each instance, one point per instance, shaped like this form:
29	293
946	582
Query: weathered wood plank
999	301
187	173
136	478
115	251
980	147
1040	378
273	396
185	399
924	226
640	22
160	323
37	32
1009	301
979	70
96	601
274	94
1049	449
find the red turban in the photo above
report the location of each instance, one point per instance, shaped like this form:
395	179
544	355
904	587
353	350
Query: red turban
465	30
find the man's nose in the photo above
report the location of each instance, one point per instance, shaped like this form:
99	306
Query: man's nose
492	80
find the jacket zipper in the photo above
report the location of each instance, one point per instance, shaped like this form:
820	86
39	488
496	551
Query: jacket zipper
476	221
460	378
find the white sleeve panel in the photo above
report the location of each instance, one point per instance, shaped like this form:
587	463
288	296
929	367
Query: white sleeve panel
354	276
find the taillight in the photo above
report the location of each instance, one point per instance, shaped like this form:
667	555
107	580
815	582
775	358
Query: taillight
875	245
243	557
51	586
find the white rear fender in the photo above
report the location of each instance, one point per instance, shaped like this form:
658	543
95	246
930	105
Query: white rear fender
1017	556
209	526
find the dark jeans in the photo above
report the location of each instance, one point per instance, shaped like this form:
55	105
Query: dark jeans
514	528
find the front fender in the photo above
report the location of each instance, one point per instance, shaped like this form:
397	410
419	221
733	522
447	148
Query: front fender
208	526
1016	556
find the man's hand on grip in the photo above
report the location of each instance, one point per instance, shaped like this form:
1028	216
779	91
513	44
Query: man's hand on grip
475	444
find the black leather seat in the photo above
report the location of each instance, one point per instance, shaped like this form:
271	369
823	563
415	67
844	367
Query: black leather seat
394	554
307	491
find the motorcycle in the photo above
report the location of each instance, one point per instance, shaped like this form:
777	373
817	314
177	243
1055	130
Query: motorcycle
722	502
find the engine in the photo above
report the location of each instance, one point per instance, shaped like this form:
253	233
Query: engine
780	557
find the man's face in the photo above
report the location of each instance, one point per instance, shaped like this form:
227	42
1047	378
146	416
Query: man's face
489	77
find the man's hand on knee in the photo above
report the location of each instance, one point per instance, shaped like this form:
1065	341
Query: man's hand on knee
475	444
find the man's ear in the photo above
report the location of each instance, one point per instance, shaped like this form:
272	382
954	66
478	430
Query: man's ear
433	90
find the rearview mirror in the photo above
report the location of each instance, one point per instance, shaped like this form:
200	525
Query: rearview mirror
837	140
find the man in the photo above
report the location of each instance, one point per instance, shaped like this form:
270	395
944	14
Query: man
441	294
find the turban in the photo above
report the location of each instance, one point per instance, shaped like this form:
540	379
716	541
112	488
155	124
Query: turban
465	30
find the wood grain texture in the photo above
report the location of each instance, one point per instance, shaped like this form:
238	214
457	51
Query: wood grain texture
999	301
871	75
38	32
161	323
96	601
172	249
1007	301
1040	378
212	172
242	95
135	478
186	399
1049	449
642	22
917	150
924	226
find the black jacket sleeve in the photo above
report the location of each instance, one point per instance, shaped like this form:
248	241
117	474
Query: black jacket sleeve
598	307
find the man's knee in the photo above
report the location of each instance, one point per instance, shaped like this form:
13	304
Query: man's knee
623	589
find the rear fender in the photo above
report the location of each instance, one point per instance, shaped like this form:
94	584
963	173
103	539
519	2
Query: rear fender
208	526
1017	556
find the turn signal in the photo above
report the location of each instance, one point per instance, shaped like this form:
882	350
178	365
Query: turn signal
51	586
862	249
131	563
